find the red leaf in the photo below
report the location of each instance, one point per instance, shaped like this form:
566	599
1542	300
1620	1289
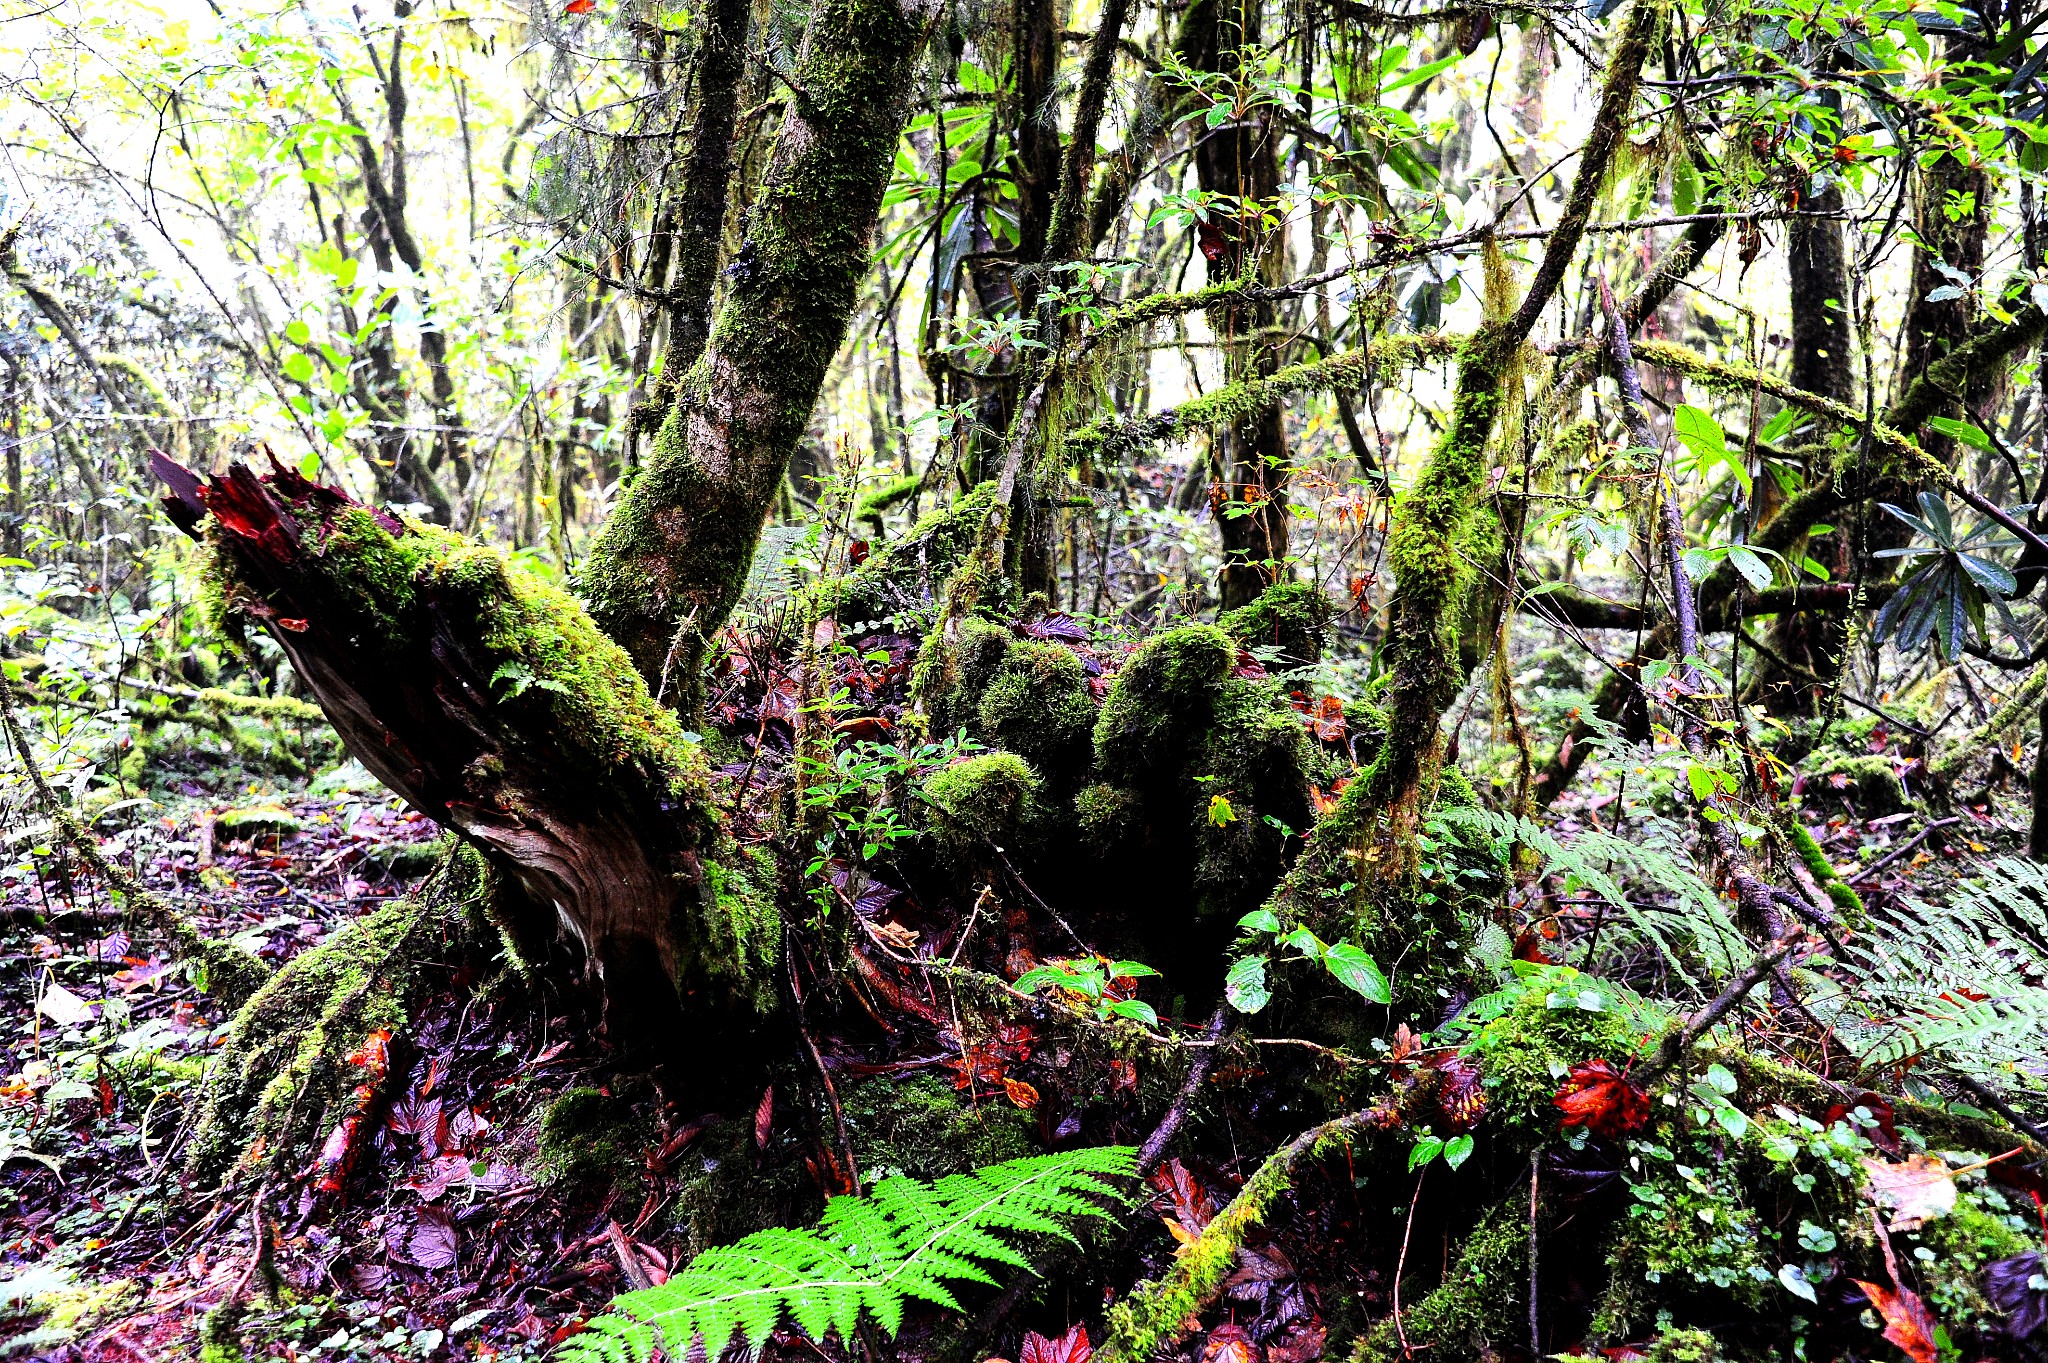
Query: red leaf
429	1242
1885	1136
857	552
764	1118
1193	1208
1071	1347
1229	1344
1603	1100
1459	1091
1215	246
579	6
1906	1320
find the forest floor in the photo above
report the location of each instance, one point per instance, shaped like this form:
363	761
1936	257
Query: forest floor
443	1220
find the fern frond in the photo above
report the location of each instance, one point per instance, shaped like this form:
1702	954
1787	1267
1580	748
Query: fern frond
867	1257
1965	983
1697	930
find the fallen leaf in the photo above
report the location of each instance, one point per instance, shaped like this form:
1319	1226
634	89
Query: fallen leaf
427	1242
1301	1344
1603	1100
1906	1321
1229	1344
1918	1191
1021	1093
1071	1347
764	1117
2010	1285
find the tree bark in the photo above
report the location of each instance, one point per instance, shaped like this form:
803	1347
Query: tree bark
668	567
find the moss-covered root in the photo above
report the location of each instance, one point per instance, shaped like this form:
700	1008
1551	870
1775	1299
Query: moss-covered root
2018	708
285	1064
226	971
1156	1316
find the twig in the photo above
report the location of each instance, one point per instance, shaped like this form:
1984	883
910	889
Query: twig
1679	1042
1904	848
1401	1264
2004	1109
1535	1332
1169	1126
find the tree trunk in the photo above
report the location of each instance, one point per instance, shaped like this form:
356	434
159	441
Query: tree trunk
668	567
490	701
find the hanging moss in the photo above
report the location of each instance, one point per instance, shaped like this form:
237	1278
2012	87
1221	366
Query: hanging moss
1293	617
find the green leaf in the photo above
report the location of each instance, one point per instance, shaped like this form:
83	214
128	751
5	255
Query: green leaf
1137	1010
1357	971
298	367
1260	920
297	332
1130	970
1751	565
1963	431
1425	1150
1457	1150
1420	74
1245	985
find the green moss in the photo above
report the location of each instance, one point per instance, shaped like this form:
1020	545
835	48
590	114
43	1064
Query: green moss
1963	1244
911	571
1255	756
1870	779
1523	1053
1038	705
989	796
1109	816
876	502
922	1126
257	822
1482	1304
1293	617
591	1142
1677	1345
1846	901
284	1066
1160	702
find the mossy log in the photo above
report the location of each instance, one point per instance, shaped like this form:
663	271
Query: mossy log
495	706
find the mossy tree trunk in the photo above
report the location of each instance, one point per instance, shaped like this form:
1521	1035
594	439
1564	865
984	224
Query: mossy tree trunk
493	704
1430	524
668	566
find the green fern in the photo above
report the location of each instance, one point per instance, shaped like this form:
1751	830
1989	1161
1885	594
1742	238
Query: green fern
1695	930
867	1257
1965	983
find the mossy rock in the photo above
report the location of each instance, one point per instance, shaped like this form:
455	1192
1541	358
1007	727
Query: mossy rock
990	796
256	821
1869	780
590	1141
1293	617
922	1126
1109	816
1677	1345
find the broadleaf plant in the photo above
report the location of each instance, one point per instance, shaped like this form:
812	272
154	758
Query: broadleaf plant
866	1259
1949	594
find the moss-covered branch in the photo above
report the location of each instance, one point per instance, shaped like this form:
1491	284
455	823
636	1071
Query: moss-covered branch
1156	1316
1247	397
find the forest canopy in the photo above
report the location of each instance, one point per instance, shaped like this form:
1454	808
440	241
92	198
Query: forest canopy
939	681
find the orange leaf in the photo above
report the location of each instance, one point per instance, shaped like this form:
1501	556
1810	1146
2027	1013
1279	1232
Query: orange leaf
1603	1100
1906	1320
1021	1093
1919	1191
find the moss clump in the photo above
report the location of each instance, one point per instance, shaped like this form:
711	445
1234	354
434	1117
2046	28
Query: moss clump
988	797
591	1142
1293	617
1109	816
1038	705
1677	1345
876	502
1966	1241
1866	778
924	1127
1523	1054
1160	702
1482	1304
